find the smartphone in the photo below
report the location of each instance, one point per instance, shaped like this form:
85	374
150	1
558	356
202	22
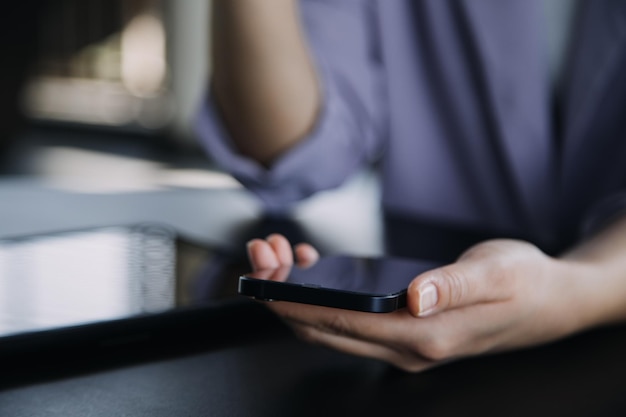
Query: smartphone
370	284
101	287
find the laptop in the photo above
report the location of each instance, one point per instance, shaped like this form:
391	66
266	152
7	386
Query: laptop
81	292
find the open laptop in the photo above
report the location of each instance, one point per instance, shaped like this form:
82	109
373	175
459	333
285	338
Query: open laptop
107	288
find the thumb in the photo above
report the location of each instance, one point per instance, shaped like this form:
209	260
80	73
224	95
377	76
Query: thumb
457	285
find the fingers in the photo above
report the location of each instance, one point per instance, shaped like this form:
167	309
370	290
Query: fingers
281	274
399	338
270	253
404	360
282	248
276	251
262	255
386	329
483	302
392	337
488	272
453	286
306	255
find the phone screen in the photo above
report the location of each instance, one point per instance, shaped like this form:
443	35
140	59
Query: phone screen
73	278
355	283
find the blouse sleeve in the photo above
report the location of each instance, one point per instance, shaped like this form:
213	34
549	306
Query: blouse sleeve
349	130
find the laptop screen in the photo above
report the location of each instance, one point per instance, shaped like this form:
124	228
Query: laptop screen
79	277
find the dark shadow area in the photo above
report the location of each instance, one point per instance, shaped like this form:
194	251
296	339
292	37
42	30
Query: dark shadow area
19	29
411	237
211	328
543	381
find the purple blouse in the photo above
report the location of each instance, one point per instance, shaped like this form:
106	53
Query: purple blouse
452	100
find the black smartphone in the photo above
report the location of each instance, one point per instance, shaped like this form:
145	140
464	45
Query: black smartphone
370	284
107	286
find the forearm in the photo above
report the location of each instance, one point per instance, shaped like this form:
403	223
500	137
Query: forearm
263	78
599	269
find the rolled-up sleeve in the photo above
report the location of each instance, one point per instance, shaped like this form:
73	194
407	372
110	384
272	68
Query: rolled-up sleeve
350	126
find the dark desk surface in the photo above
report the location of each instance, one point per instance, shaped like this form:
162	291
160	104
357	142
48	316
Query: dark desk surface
276	375
250	365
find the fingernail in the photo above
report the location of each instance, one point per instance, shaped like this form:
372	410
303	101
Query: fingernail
428	299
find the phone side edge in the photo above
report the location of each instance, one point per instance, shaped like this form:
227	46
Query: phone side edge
266	290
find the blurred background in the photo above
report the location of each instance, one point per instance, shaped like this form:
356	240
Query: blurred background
134	65
97	105
85	80
98	99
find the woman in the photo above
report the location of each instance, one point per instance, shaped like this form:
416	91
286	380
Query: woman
495	116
